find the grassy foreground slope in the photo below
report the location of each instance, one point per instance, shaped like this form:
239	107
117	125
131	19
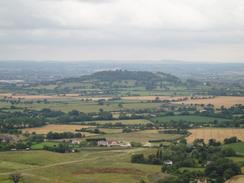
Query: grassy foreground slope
86	166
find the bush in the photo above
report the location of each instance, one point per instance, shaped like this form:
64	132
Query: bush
137	158
136	144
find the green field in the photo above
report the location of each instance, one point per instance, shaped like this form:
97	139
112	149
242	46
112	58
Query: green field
82	106
189	118
86	166
238	147
124	122
140	136
40	146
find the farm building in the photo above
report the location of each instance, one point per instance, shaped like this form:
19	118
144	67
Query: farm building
111	143
7	139
102	143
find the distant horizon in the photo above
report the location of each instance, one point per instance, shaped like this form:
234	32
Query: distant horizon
123	61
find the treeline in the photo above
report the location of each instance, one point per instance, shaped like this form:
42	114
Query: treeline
63	135
10	122
17	119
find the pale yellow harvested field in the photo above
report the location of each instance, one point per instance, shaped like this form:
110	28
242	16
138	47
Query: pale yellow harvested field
226	101
215	133
37	97
77	96
152	97
5	94
55	128
49	97
236	179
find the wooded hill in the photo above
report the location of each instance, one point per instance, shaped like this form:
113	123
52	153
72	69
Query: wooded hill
124	79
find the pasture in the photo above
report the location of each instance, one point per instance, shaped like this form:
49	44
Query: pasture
86	166
215	133
238	147
140	136
84	106
188	118
39	146
124	122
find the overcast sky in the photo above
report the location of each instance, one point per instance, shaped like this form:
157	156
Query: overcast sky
191	30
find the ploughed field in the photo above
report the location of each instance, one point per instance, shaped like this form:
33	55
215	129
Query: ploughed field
215	133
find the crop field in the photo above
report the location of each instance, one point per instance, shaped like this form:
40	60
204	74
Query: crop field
111	130
215	133
39	97
152	97
190	118
226	101
236	179
141	136
55	128
86	166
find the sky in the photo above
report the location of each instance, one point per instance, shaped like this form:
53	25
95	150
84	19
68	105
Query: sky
190	30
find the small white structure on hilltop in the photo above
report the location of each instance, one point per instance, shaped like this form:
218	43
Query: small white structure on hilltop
75	141
168	162
148	144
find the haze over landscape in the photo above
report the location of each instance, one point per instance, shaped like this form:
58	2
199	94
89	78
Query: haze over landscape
115	91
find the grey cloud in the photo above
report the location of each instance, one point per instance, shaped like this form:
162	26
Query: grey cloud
166	25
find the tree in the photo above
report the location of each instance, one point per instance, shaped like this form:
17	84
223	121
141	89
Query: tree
137	158
15	177
231	140
222	169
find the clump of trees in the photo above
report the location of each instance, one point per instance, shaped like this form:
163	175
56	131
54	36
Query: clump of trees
231	140
61	148
212	157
